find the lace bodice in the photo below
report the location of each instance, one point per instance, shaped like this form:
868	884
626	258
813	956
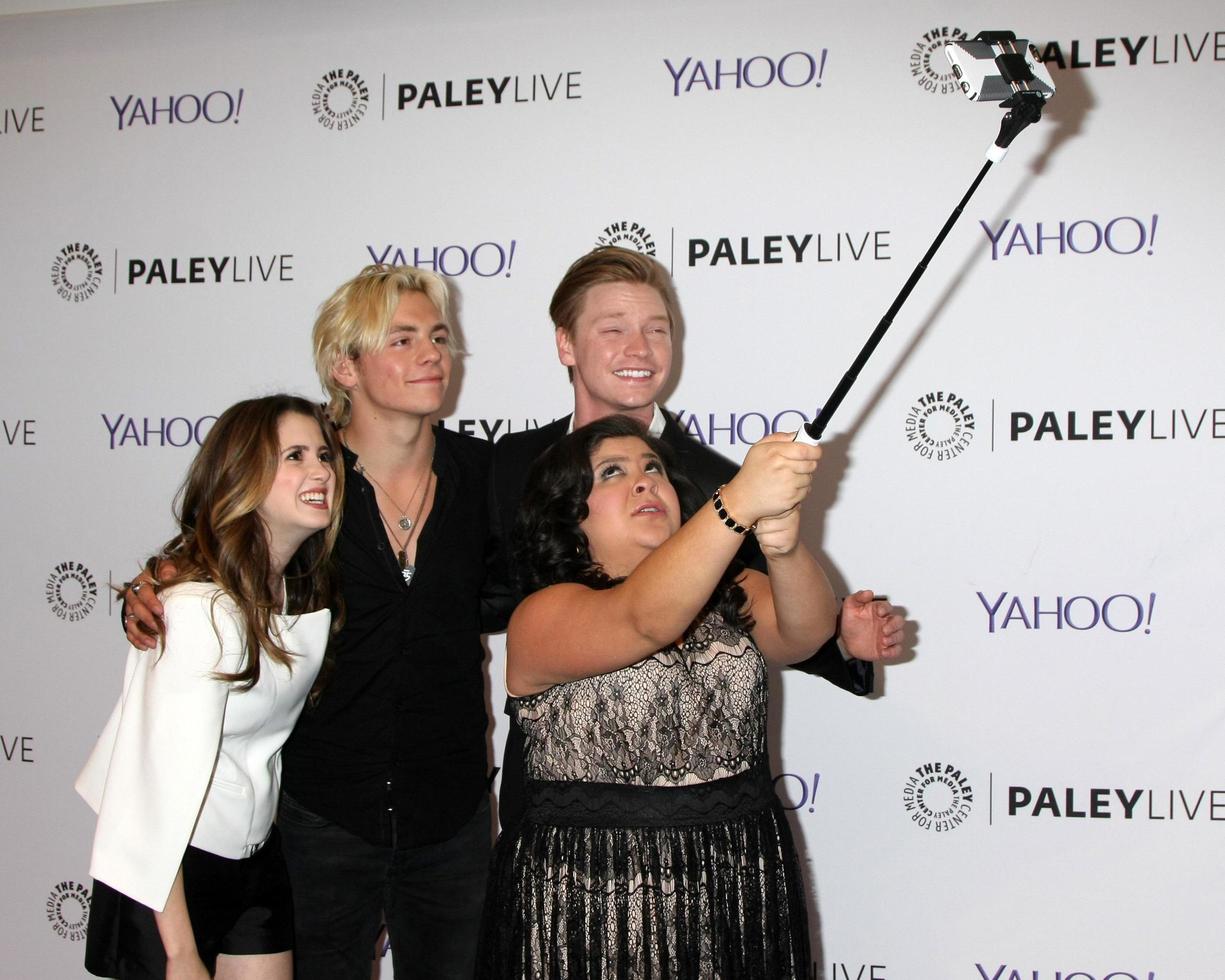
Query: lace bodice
687	714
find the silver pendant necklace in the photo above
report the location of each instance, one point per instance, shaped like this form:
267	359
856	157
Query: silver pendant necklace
405	523
407	568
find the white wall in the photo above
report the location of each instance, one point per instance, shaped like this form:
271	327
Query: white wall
1118	315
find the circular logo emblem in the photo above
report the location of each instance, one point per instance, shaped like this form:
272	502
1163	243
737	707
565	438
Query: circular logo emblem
940	426
928	66
937	796
71	591
76	272
68	910
340	99
627	234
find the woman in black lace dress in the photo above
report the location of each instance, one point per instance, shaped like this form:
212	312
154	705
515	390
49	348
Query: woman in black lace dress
652	843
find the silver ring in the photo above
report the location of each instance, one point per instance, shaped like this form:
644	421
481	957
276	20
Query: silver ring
129	617
136	587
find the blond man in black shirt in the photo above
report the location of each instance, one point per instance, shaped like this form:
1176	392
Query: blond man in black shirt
385	810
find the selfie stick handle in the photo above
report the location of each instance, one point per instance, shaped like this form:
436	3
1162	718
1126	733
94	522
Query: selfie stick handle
1026	108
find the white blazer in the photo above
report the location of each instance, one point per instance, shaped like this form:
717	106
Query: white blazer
186	758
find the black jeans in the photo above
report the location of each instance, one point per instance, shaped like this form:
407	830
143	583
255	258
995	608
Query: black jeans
344	888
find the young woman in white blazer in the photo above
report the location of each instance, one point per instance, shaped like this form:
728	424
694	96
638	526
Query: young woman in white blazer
189	877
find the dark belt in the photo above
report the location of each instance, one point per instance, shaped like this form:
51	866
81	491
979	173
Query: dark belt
568	803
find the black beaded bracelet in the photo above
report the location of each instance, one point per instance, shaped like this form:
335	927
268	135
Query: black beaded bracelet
717	499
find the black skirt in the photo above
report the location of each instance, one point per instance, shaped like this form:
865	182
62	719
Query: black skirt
237	907
607	881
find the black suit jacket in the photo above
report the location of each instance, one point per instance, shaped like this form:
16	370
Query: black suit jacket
512	459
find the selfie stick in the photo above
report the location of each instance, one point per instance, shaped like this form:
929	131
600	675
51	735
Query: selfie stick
1024	107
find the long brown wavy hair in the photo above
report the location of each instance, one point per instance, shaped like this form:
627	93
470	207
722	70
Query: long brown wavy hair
223	540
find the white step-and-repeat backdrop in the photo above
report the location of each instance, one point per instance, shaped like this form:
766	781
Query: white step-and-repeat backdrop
1032	465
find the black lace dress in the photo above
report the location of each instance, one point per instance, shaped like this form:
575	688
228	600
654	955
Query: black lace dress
652	844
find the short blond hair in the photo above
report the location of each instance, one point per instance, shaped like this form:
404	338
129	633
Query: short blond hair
607	264
356	320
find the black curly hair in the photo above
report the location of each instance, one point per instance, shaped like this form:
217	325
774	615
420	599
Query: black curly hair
550	547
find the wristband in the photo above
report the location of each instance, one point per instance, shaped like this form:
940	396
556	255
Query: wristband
717	499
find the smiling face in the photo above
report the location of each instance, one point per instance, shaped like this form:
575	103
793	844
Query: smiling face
300	500
632	508
409	374
619	349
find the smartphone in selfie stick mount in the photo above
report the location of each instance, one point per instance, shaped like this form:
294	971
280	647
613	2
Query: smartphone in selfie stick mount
993	67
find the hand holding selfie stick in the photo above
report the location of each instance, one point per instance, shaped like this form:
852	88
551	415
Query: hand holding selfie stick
1022	87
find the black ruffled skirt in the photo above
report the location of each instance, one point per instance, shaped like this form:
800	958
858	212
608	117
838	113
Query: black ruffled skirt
606	881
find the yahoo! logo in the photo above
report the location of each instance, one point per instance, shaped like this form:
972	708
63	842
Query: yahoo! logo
1119	613
218	106
486	260
796	792
745	428
1006	973
796	69
145	431
1124	235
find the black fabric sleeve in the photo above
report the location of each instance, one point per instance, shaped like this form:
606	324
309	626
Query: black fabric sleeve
498	596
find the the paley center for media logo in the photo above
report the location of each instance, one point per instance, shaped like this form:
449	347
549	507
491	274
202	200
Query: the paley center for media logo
940	426
71	591
929	68
76	272
68	910
627	233
340	99
938	796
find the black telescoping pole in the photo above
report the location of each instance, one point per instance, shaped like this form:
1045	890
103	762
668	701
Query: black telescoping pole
816	428
1024	108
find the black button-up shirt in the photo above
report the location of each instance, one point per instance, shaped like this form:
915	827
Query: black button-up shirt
396	748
